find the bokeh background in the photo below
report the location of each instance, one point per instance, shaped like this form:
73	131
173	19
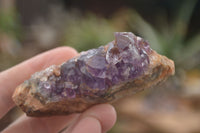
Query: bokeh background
29	27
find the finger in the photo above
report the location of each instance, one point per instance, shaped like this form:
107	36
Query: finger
103	115
88	125
12	77
40	125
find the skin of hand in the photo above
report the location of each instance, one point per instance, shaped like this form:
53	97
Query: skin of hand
97	119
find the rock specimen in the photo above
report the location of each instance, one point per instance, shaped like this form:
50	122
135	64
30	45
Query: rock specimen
122	67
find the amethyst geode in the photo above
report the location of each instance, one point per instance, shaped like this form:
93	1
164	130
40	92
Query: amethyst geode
122	67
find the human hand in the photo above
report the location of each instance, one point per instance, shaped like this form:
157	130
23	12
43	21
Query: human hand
97	119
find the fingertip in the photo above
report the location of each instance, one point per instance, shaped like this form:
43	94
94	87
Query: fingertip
55	56
67	49
60	55
105	113
87	125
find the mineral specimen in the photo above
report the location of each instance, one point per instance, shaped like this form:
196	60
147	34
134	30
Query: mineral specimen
122	67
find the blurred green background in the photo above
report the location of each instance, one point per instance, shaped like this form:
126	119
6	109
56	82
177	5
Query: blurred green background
29	27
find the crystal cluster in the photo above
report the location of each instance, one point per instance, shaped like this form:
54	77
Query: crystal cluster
97	70
122	67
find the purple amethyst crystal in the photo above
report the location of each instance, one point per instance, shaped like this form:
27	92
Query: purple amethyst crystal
95	76
96	70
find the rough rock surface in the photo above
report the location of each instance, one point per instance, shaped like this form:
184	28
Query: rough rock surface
122	67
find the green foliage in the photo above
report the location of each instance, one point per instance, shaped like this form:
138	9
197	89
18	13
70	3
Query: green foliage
9	23
88	32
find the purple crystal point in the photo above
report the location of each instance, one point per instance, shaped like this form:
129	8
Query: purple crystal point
123	40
